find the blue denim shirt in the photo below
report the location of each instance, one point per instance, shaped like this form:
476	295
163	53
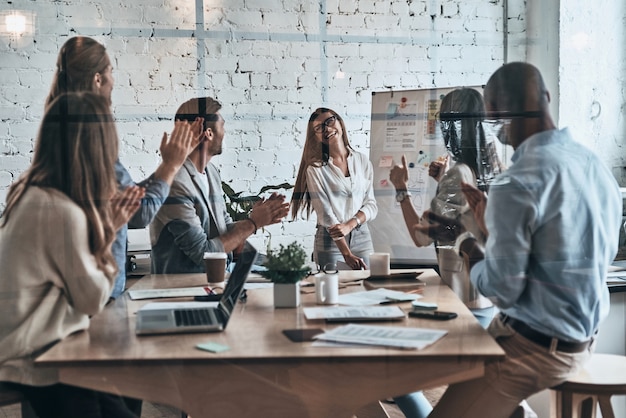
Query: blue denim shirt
553	219
156	193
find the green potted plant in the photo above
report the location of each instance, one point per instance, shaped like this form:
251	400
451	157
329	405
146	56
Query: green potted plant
285	268
238	206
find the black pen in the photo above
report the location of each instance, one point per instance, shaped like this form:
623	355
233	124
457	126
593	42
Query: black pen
390	301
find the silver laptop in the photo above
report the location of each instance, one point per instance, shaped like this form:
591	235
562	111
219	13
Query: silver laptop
202	318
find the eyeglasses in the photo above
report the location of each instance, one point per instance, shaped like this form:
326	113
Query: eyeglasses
328	122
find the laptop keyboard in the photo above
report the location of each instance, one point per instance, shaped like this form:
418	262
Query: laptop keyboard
192	317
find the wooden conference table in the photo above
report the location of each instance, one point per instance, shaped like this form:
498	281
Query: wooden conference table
264	374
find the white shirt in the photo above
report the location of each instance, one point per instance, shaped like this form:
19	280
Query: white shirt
336	198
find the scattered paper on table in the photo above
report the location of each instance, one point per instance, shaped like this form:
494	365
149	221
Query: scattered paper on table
356	313
177	292
376	297
177	305
398	337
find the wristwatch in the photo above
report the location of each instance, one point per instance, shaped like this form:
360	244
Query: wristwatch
459	240
358	222
401	195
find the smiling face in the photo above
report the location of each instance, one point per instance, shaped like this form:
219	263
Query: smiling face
327	128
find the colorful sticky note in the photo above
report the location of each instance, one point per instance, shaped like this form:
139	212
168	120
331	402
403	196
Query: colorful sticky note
213	347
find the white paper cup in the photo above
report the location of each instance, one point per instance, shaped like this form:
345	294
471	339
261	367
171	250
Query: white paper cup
215	267
379	264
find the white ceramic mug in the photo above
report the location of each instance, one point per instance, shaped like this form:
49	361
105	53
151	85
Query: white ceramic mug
327	288
379	264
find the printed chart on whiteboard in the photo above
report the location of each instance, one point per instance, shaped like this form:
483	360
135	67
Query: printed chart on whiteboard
404	123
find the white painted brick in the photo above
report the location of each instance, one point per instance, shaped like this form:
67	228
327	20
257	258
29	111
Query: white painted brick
481	25
268	48
14	162
487	39
283	79
241	171
343	22
277	20
268	95
233	95
347	7
494	10
264	5
355	65
130	62
342	50
245	19
11	112
304	49
367	6
256	64
301	95
6	179
302	227
400	8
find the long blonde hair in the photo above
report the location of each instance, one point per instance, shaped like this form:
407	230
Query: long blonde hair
316	155
75	153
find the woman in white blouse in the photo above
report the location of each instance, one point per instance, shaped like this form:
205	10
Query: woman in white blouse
336	182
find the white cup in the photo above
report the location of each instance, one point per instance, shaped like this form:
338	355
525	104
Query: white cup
327	288
379	264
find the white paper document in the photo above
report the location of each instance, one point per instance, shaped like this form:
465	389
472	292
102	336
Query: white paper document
376	297
354	313
177	305
616	277
399	337
177	292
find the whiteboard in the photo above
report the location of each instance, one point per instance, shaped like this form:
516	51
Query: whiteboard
404	122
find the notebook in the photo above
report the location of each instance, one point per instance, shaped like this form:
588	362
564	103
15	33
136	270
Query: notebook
182	317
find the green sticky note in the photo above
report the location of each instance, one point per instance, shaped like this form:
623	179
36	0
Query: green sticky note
213	347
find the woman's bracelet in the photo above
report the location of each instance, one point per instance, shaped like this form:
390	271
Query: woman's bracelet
253	223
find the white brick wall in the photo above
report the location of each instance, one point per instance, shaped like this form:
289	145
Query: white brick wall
268	61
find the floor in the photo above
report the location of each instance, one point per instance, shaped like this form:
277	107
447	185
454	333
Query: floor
161	411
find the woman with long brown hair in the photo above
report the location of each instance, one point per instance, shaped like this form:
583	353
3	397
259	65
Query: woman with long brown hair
84	65
335	181
56	263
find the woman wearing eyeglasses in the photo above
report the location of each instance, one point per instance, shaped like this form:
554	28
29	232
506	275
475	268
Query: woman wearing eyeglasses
335	181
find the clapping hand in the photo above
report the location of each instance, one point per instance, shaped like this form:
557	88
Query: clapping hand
440	228
124	205
477	200
269	211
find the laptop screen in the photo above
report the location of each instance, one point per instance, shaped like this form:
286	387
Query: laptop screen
237	280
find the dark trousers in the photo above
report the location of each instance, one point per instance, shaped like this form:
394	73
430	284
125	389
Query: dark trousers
64	401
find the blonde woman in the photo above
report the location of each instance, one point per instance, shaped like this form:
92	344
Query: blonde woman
335	181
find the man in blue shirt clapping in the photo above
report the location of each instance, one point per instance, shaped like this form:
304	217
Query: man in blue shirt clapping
553	221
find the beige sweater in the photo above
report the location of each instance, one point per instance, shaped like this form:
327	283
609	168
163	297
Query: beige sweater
49	282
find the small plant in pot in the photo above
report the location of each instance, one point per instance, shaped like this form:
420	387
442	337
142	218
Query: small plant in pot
286	267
